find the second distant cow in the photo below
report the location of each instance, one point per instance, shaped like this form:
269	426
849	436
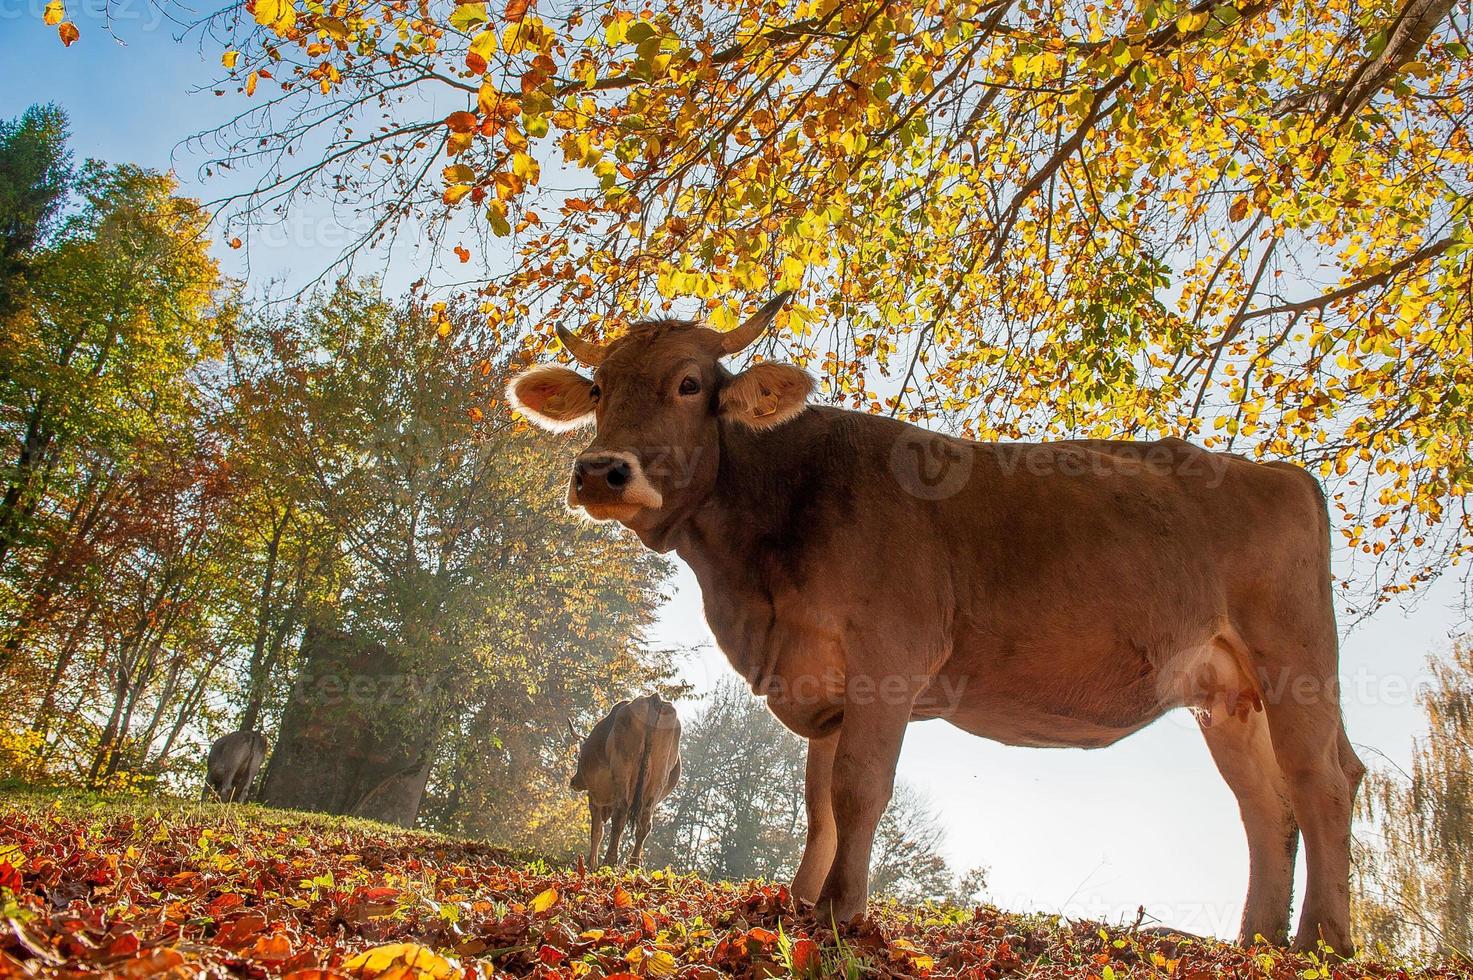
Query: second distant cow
232	766
627	765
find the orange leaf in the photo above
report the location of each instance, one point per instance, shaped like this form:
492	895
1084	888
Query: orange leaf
805	955
461	122
152	964
517	9
68	32
238	932
273	947
622	899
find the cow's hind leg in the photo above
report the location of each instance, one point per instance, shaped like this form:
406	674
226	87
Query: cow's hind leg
643	820
818	849
616	834
1244	754
597	817
1308	739
248	782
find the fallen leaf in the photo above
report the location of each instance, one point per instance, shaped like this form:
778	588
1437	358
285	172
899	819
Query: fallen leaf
545	900
409	961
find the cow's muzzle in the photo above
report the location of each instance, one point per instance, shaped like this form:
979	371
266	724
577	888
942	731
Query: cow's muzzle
611	485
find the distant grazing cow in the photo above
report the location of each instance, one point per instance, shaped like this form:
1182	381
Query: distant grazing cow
234	759
627	765
861	572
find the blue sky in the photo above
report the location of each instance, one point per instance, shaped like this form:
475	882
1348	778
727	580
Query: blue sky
1147	822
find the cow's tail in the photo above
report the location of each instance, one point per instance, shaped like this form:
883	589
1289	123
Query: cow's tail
636	805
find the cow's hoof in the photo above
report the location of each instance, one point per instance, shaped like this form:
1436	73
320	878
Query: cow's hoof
836	913
1342	950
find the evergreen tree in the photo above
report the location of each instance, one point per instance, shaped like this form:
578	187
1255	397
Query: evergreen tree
35	169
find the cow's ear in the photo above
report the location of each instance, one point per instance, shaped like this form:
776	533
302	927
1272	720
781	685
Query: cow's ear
766	394
553	397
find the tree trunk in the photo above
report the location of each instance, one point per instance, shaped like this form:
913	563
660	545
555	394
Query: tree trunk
107	741
256	677
187	711
20	497
354	738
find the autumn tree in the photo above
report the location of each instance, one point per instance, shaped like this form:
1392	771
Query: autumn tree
1414	874
111	477
461	597
1239	222
738	812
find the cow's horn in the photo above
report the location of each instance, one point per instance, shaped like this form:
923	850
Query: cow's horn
585	352
734	340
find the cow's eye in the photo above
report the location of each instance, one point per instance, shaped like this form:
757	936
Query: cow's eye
593	392
690	386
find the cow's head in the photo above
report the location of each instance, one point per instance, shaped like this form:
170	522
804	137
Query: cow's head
657	399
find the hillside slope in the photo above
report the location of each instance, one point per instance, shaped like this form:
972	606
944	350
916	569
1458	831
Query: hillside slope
139	889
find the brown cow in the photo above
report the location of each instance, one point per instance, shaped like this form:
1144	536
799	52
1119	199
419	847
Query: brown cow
231	768
861	573
627	765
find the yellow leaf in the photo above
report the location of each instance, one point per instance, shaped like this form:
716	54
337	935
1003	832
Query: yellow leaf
545	901
1187	23
458	143
55	13
408	960
467	16
458	173
251	80
484	44
487	99
279	15
455	192
229	58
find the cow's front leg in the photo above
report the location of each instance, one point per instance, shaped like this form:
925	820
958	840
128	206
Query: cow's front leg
818	849
863	778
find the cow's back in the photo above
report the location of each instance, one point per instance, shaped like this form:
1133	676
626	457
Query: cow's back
663	765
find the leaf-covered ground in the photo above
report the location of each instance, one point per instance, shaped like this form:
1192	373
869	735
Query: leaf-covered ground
137	889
